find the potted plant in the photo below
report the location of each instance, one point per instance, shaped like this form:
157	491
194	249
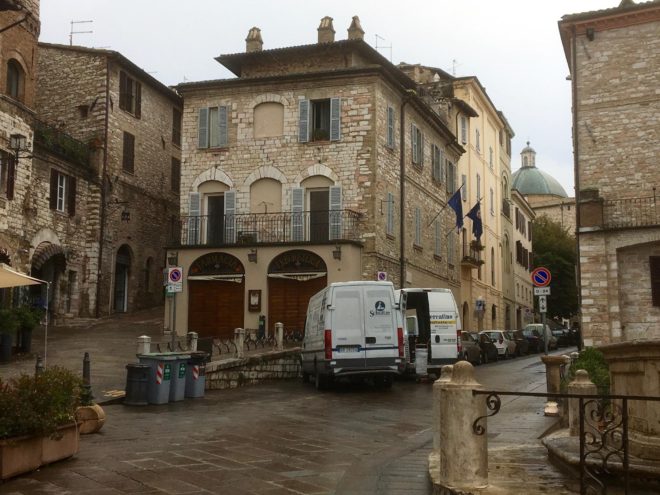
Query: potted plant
28	319
37	423
9	324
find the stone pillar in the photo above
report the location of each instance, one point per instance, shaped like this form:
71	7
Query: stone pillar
463	454
279	336
192	341
445	376
582	385
553	381
239	340
143	344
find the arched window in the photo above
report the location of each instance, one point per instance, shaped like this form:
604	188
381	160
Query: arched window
15	79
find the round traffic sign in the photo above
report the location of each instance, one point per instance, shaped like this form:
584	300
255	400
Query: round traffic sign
541	277
175	275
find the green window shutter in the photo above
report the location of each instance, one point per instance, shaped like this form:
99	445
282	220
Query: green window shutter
297	214
194	219
223	139
421	149
230	216
335	213
203	128
441	165
303	121
335	119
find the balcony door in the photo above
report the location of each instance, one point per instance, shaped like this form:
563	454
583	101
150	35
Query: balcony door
318	215
215	209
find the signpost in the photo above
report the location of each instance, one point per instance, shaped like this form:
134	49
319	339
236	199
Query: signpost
174	286
541	291
541	278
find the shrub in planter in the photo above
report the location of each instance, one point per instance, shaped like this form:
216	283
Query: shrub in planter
28	319
593	361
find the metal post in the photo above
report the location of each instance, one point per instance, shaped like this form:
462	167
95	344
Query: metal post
583	488
173	329
86	395
546	338
279	335
624	439
46	327
39	365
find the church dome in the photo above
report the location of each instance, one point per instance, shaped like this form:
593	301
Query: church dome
529	180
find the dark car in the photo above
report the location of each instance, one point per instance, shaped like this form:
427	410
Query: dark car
470	348
534	340
522	346
488	348
563	337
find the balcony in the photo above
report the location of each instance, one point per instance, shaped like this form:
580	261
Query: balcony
249	229
472	255
506	208
61	144
630	213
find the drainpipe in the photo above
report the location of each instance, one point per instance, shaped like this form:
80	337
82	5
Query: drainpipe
576	155
103	192
402	197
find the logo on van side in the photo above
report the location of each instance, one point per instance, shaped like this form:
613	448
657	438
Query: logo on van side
379	309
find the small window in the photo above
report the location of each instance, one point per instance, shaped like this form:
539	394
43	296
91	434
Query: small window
492	202
417	145
464	187
130	94
62	192
128	157
654	262
477	138
390	214
213	125
451	177
319	120
175	177
15	79
437	162
390	127
464	132
490	156
418	227
176	126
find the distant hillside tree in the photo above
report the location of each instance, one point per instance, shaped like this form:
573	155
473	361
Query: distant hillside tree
555	249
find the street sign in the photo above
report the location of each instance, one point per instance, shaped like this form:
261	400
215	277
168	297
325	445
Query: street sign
175	279
382	276
543	304
541	291
541	277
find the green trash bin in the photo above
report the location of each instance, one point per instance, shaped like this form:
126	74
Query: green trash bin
160	376
178	382
196	375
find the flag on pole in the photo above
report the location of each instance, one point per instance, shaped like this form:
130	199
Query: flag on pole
456	205
475	215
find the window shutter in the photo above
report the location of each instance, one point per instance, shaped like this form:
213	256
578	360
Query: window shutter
203	128
297	205
71	199
223	115
413	140
390	214
11	176
390	127
335	119
138	99
53	189
421	149
654	262
193	219
463	130
438	238
128	163
230	216
123	92
441	165
303	121
435	162
335	213
464	189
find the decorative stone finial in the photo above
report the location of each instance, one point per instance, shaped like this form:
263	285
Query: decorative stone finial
355	31
253	42
582	376
463	374
326	31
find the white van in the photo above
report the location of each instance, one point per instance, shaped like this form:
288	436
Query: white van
351	330
437	323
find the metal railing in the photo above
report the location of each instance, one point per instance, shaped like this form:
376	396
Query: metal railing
472	254
61	144
630	212
267	228
604	446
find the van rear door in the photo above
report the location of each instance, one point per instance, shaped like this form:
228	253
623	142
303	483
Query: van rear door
443	319
380	322
347	325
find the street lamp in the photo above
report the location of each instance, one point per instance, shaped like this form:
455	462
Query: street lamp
18	144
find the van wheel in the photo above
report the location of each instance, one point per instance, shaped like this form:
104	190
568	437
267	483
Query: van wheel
305	377
320	382
384	382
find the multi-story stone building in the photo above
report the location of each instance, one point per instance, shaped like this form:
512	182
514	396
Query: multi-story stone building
317	163
613	56
522	259
124	209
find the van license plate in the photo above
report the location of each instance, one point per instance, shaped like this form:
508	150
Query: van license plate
348	348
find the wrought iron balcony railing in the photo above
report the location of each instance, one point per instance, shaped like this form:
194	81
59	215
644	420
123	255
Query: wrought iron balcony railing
311	227
631	212
472	255
61	144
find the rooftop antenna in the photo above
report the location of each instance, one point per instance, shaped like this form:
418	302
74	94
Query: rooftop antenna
72	32
454	64
384	46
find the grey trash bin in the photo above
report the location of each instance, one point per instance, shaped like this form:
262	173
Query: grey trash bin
196	375
137	384
178	382
421	360
160	376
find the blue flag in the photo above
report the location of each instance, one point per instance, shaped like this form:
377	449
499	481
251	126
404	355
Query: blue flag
475	215
456	205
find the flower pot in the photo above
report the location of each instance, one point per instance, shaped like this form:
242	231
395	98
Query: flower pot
56	449
91	418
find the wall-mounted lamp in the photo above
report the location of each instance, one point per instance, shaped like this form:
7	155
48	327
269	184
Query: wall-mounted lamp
252	255
336	253
590	33
173	258
18	144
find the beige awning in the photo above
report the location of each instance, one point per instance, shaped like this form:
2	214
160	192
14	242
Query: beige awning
11	278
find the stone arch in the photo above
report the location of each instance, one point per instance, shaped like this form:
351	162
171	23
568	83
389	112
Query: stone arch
269	98
43	235
212	174
265	172
316	169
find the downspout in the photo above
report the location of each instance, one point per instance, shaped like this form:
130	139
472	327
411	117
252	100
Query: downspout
576	155
402	195
103	192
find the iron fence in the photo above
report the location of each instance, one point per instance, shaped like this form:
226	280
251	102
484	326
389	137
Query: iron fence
267	228
60	143
630	212
603	436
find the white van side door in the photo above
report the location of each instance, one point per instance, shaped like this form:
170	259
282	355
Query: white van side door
380	324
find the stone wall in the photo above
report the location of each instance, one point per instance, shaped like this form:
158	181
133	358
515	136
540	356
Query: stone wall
233	373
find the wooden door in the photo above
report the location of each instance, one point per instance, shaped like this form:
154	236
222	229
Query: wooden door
288	299
215	307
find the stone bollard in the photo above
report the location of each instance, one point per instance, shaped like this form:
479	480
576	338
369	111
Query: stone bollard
463	454
279	335
582	385
445	376
574	356
39	365
192	341
239	340
143	344
553	381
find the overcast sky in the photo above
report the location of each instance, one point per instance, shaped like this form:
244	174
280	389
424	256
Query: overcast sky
512	46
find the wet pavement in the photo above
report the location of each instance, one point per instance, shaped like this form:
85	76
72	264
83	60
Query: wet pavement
278	437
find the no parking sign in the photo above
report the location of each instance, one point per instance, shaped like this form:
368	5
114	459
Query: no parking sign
175	279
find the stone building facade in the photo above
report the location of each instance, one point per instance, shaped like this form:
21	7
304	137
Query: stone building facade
522	259
613	56
131	124
316	164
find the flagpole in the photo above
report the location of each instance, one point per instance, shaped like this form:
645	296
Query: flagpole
443	208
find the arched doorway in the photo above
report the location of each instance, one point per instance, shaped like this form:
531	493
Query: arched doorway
466	319
49	264
216	295
293	277
122	275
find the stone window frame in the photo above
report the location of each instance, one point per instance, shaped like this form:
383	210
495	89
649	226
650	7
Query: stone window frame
15	84
62	192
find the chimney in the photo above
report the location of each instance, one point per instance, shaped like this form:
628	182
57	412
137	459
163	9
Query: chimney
253	42
355	31
326	31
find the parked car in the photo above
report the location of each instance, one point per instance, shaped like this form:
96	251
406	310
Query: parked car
562	336
547	334
470	350
506	347
522	346
488	349
534	340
